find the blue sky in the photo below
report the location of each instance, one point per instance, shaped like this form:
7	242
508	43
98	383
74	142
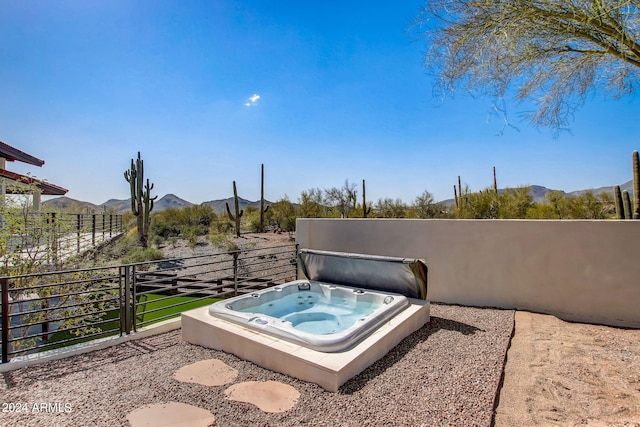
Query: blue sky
343	94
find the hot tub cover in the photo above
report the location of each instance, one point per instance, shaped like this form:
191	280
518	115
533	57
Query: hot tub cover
405	276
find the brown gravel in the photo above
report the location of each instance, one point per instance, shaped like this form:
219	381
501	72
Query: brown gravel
447	373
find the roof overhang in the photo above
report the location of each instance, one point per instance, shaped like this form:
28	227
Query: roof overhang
24	182
12	154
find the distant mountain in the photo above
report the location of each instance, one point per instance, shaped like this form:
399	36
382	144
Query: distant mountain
115	205
538	192
68	204
626	186
219	208
170	201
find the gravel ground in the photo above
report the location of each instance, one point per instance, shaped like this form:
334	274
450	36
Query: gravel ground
447	373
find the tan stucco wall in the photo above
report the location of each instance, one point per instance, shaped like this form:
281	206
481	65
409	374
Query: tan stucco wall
587	271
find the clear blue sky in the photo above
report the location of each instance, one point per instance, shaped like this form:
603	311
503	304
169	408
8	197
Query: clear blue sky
343	94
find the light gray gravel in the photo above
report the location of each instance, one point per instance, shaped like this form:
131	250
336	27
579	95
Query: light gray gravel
447	373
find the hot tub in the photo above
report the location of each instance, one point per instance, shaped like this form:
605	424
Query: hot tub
322	316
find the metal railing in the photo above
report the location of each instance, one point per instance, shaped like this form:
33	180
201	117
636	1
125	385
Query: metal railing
45	311
52	237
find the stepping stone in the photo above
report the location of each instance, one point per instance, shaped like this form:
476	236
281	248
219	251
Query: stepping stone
269	396
211	372
171	414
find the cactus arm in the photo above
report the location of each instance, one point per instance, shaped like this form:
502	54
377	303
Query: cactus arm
229	212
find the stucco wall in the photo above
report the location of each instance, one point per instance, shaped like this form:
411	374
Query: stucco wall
587	271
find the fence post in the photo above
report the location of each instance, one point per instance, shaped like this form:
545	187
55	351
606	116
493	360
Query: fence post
110	225
54	238
134	301
93	230
78	231
297	266
235	273
4	282
127	299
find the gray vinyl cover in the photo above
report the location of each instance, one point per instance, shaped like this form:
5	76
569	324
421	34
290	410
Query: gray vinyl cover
406	276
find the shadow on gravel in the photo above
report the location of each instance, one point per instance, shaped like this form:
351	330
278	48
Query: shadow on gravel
398	352
171	264
91	360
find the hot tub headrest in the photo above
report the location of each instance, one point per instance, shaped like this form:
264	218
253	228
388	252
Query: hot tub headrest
406	276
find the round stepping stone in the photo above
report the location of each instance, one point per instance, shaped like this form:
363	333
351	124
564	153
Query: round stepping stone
171	414
269	396
211	372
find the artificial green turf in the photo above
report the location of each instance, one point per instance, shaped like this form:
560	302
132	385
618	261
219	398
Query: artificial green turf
146	303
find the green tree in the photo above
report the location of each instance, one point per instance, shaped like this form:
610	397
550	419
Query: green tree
252	219
311	204
586	206
283	214
515	202
426	207
556	200
390	208
343	199
553	52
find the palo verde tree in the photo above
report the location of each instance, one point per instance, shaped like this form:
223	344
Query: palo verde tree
552	52
141	200
343	199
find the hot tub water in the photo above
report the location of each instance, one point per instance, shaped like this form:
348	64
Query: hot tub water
318	315
309	312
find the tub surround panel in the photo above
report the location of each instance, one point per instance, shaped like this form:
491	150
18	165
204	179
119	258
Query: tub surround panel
328	370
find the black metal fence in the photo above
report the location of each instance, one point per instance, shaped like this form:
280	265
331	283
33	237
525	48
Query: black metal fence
52	238
45	311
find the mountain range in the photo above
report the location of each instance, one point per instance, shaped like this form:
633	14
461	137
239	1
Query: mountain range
122	206
172	201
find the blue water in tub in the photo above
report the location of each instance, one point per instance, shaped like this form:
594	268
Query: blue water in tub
314	313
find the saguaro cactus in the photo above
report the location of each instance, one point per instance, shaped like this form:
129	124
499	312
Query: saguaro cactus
263	210
626	200
495	182
617	197
366	210
455	196
141	200
636	185
238	215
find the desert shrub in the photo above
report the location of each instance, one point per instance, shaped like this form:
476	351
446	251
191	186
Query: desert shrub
190	234
283	214
174	222
140	254
252	219
217	238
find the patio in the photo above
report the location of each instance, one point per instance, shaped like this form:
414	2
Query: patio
448	372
